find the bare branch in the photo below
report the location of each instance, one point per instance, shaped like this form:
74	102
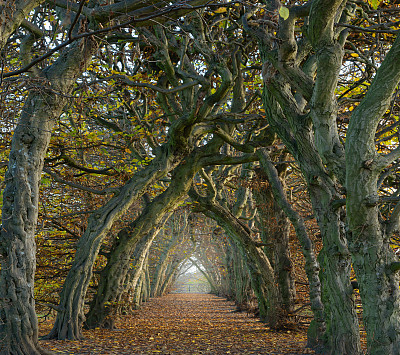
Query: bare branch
394	220
78	12
133	21
78	186
246	148
371	28
129	82
220	159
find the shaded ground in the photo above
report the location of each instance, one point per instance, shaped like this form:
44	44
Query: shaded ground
184	324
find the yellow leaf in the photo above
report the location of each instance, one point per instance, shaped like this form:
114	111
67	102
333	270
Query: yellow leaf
220	10
354	55
374	3
284	12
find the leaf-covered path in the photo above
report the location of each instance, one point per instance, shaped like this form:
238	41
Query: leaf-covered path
185	324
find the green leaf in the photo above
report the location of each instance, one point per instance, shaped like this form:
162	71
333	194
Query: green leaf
374	3
45	181
284	12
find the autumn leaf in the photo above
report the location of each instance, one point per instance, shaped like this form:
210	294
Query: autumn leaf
374	3
184	324
220	10
284	12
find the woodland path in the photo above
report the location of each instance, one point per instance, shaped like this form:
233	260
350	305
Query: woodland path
185	324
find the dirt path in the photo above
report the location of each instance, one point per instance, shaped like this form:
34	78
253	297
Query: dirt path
185	324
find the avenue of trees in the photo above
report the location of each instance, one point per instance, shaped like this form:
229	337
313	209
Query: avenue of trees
246	139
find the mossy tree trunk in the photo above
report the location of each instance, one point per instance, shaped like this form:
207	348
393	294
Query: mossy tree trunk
197	104
260	270
275	232
376	265
300	77
44	104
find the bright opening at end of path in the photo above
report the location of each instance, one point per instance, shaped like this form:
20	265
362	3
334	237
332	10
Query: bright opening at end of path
191	279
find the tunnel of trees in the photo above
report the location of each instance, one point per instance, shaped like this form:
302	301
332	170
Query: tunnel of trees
254	141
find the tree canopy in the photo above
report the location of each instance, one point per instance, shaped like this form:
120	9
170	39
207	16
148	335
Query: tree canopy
243	139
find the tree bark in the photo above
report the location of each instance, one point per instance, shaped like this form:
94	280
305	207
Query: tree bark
13	13
172	272
341	334
181	141
275	228
18	328
70	316
260	269
309	133
103	306
161	268
115	271
373	259
210	280
312	267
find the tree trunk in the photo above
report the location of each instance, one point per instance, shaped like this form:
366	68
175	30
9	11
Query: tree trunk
173	271
241	280
137	296
209	279
110	289
146	284
169	275
342	329
260	269
114	273
14	13
18	322
141	258
312	268
161	268
341	334
375	264
276	230
70	316
18	329
179	144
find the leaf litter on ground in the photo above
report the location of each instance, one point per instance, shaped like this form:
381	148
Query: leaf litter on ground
184	324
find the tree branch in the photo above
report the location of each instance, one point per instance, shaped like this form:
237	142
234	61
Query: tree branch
220	159
393	267
142	21
246	148
78	186
71	162
394	220
129	82
384	160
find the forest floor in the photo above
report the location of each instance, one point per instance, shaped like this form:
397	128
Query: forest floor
184	324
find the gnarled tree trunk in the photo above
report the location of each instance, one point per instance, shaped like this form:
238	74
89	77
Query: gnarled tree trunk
275	227
18	323
261	272
312	268
114	273
376	266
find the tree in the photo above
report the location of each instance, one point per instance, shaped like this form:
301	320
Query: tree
30	141
301	73
198	101
374	261
330	81
312	267
259	266
275	231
